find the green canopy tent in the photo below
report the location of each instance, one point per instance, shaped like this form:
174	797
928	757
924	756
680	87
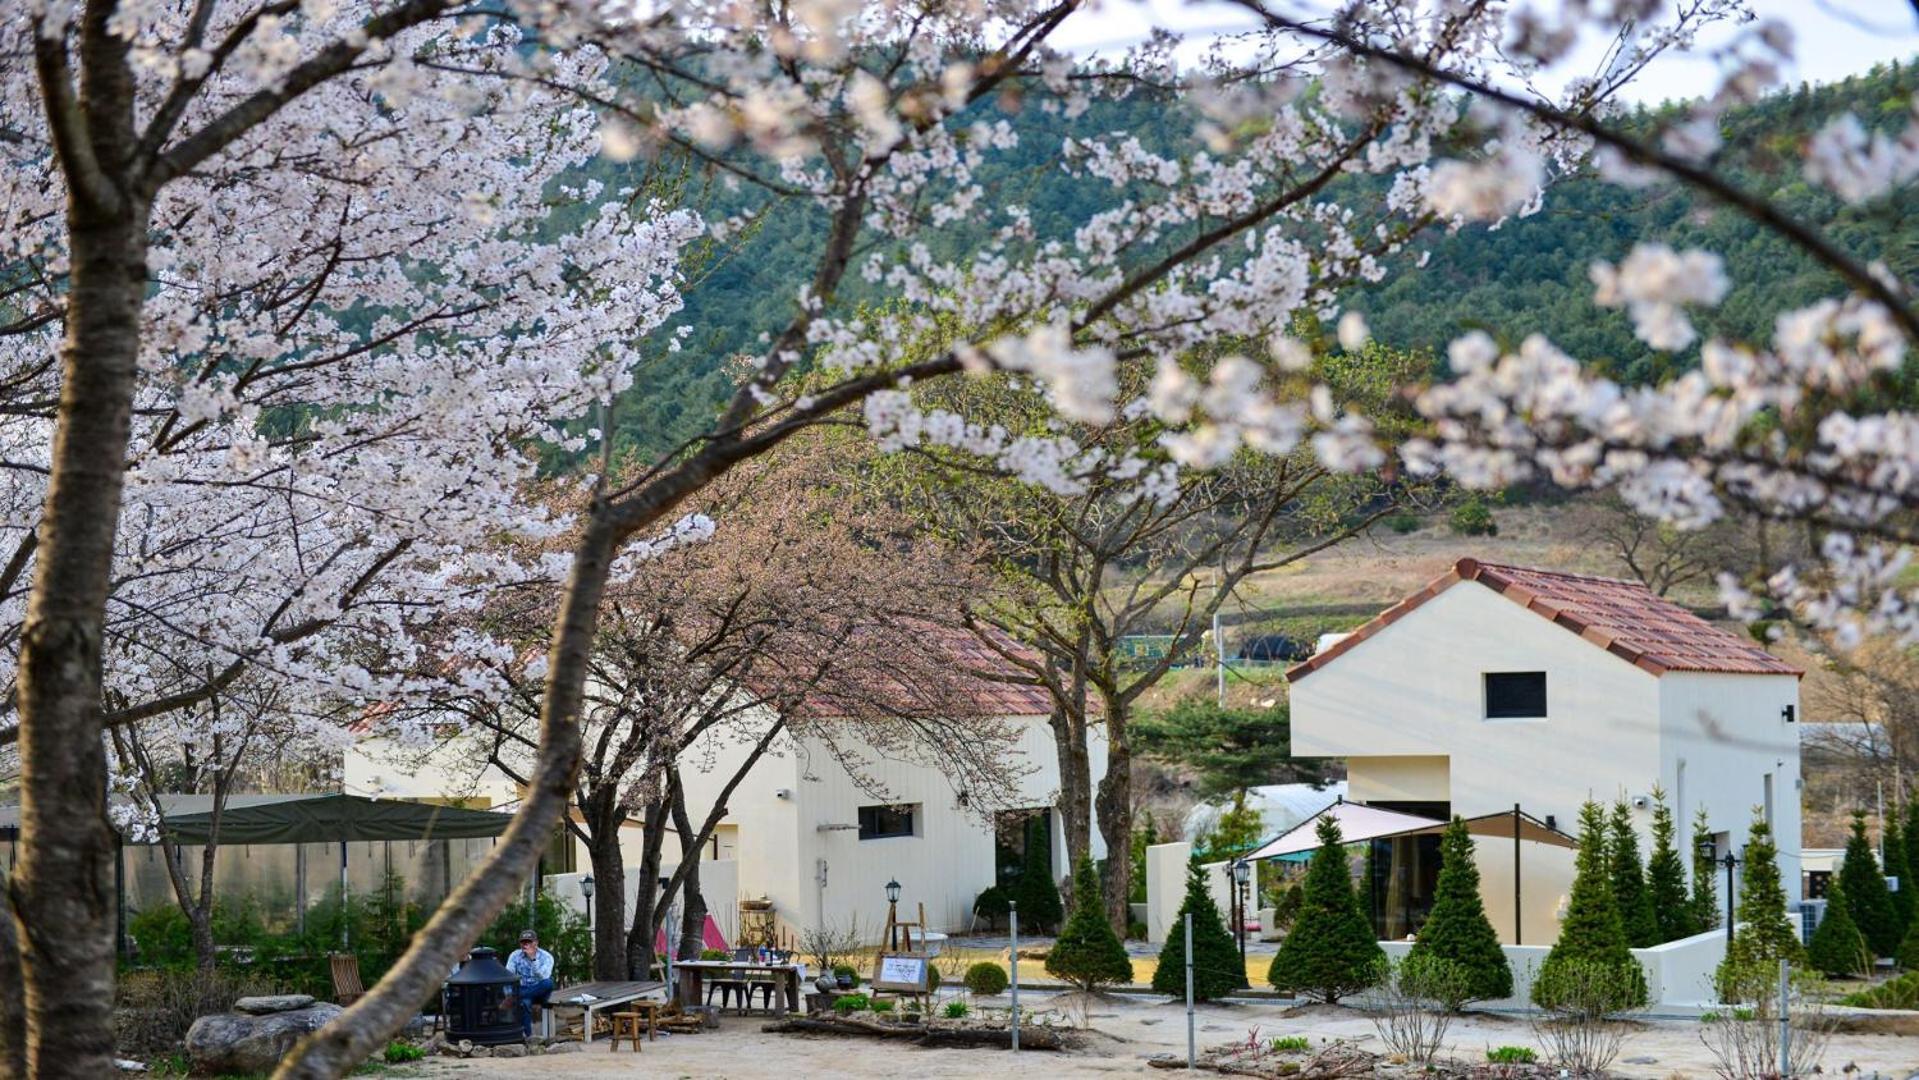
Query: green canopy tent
325	819
304	819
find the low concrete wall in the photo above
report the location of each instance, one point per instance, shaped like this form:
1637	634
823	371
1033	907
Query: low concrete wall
1165	886
1678	973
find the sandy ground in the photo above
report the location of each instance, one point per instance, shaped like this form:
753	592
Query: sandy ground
1126	1032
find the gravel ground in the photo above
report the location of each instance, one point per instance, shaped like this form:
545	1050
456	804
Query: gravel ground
1125	1032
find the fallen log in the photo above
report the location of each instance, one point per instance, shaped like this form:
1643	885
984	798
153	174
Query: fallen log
1030	1038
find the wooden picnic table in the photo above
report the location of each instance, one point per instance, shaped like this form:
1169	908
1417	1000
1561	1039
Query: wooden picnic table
590	998
786	978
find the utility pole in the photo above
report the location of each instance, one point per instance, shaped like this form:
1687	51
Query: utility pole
1191	1050
1012	922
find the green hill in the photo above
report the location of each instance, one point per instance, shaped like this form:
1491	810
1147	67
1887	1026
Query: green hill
1529	275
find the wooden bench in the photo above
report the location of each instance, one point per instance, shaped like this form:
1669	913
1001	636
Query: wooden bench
592	998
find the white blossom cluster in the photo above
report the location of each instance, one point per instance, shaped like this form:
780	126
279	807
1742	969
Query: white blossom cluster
360	338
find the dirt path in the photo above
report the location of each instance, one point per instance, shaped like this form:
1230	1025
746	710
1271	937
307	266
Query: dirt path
1126	1032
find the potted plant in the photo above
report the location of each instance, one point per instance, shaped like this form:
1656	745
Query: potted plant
847	977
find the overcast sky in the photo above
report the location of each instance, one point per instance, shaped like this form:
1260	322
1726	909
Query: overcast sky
1835	38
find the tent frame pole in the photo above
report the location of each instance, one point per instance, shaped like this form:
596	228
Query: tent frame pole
1519	921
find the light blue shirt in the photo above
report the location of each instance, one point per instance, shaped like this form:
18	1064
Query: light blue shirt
530	969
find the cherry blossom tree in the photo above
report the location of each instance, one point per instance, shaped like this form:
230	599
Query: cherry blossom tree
810	618
877	118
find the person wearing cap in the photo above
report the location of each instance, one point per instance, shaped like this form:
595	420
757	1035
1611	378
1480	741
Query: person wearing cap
534	966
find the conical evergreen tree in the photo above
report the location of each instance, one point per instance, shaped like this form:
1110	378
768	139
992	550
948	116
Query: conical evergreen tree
1330	952
1765	934
1629	881
1837	947
1087	953
1217	970
1866	891
1457	929
1908	956
1666	876
1899	870
1911	832
1704	905
1038	894
1592	933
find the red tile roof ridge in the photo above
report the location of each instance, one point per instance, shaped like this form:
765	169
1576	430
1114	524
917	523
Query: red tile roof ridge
1622	616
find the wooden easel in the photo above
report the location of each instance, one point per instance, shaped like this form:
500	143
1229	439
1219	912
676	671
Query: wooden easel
894	927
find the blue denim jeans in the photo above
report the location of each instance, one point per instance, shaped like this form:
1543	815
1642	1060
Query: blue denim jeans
525	997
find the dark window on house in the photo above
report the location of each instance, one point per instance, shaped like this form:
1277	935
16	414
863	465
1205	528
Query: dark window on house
880	822
1513	694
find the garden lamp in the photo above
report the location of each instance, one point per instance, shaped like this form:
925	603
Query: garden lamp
586	887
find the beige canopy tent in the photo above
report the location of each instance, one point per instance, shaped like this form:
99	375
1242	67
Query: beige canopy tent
1361	824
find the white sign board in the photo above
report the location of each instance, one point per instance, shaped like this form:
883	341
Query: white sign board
901	972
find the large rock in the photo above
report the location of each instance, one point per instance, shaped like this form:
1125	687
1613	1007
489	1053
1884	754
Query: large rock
245	1043
272	1003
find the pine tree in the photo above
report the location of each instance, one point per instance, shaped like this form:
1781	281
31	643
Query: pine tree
1330	952
1629	881
1912	848
1704	905
1592	934
1217	970
1087	953
1899	870
1457	929
1866	891
1764	934
1837	947
1038	894
1666	876
1908	956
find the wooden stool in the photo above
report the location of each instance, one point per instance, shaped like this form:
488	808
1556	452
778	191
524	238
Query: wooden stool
627	1025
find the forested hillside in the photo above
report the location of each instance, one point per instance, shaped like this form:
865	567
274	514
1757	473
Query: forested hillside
1530	275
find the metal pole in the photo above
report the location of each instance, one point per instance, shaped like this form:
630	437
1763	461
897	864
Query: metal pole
300	889
345	919
1012	922
1785	1018
1219	647
1730	863
1191	1052
1519	923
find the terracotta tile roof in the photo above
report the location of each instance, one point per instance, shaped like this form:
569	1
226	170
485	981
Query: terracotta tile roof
1623	617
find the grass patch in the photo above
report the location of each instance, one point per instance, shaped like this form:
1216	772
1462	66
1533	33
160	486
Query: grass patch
1512	1055
1292	1044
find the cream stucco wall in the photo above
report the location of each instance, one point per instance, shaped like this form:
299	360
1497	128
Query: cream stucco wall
1406	708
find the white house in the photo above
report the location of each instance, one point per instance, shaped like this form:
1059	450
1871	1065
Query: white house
800	829
1498	686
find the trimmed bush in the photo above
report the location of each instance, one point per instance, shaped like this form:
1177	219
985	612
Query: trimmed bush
1866	891
1087	953
1703	906
1040	908
1629	881
1217	970
993	904
1457	930
1837	947
1765	935
1331	952
986	978
1592	938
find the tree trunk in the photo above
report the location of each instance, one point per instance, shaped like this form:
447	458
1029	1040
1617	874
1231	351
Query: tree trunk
647	899
1115	805
200	923
1075	801
609	903
693	911
63	893
13	1014
352	1037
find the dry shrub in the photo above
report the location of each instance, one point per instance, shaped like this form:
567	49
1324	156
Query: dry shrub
1582	1031
1744	1038
1411	1004
154	1009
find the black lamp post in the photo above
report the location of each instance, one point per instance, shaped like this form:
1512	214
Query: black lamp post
1242	873
892	914
1707	855
592	937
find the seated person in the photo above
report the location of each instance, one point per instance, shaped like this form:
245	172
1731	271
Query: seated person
534	966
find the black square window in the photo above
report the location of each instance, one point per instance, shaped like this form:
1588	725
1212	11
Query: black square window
881	822
1514	694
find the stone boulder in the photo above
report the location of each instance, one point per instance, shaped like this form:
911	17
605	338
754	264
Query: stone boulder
273	1003
239	1042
